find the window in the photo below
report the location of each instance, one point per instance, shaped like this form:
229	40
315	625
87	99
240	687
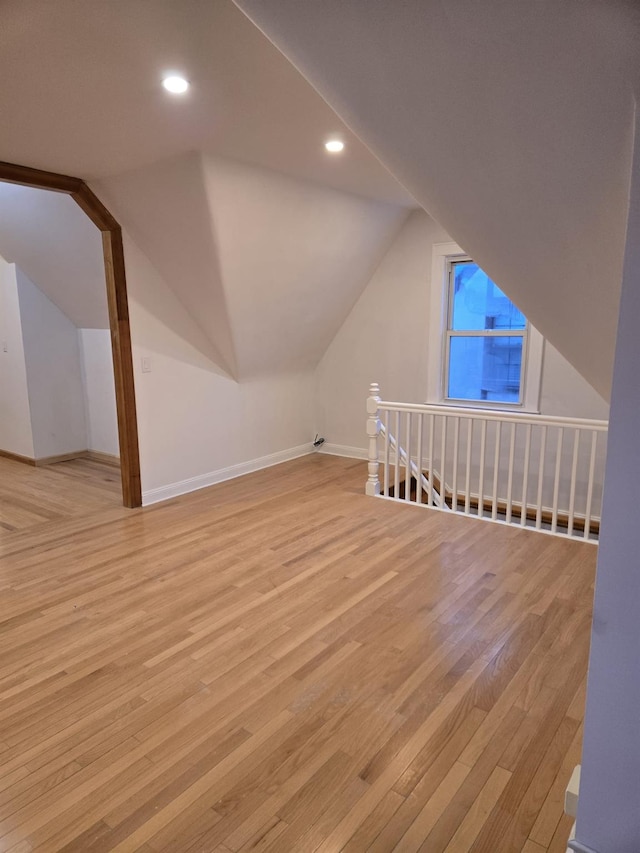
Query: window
485	338
482	351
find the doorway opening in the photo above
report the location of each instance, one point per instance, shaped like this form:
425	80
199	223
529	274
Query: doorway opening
118	311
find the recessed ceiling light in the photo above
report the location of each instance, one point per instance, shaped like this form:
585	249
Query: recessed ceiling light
175	84
334	145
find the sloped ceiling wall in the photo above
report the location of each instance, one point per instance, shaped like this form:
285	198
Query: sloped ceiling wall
294	259
510	122
49	237
81	94
165	209
266	265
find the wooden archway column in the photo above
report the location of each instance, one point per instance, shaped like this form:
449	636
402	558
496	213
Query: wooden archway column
118	311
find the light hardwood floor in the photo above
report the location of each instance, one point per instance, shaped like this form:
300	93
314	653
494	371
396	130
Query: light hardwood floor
279	663
30	497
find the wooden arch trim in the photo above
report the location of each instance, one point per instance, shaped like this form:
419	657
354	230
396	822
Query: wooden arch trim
118	311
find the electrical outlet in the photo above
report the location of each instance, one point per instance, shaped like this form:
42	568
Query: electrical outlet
146	364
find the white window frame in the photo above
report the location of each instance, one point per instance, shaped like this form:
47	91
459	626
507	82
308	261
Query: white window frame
443	255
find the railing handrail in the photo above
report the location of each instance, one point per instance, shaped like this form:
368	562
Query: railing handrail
487	462
493	415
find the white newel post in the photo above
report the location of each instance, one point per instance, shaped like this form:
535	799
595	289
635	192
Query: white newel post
373	428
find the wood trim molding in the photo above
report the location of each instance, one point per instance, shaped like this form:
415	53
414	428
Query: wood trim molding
43	461
11	173
85	198
104	458
122	367
116	283
16	457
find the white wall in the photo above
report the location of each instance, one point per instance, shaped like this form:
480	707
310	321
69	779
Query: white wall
294	257
565	392
101	416
235	310
385	339
54	378
193	420
15	419
608	813
266	265
57	391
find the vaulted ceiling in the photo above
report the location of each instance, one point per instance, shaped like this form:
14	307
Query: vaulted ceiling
509	121
81	94
264	238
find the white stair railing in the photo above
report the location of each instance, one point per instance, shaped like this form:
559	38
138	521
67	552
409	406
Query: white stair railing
410	470
533	471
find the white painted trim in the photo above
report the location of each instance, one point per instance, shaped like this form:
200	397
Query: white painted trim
578	846
442	254
344	450
183	487
572	793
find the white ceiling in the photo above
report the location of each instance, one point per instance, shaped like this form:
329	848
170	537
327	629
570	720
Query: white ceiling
81	85
510	121
50	238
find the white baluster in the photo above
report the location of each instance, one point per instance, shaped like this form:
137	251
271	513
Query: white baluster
556	482
496	469
483	448
419	488
541	461
396	470
572	489
454	475
432	429
387	444
525	476
373	428
467	476
443	459
512	453
407	460
592	466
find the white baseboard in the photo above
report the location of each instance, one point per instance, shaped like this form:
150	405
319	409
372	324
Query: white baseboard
344	450
192	484
577	846
572	793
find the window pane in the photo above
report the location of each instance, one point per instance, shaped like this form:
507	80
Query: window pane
478	303
485	368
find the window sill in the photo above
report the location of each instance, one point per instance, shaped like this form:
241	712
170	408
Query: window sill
466	404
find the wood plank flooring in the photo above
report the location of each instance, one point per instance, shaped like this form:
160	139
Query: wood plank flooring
30	497
279	663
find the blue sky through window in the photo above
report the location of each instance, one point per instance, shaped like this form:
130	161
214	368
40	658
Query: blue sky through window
487	366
